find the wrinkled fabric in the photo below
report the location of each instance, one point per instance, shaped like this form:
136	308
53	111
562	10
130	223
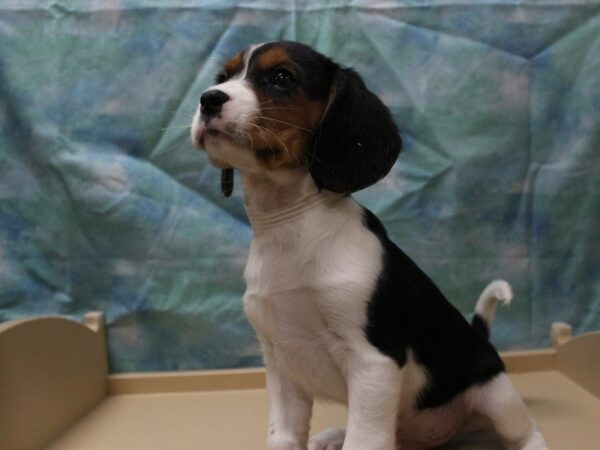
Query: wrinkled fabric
105	205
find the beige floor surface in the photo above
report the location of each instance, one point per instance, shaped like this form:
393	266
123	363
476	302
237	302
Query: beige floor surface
236	420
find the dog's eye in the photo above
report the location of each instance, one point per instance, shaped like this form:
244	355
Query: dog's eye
282	79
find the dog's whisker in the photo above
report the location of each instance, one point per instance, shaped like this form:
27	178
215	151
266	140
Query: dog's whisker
279	139
313	157
286	123
176	127
265	103
281	108
287	151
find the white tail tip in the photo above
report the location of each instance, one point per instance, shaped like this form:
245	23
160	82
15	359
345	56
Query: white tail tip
496	291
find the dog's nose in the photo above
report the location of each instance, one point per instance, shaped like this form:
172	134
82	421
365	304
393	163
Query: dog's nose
211	102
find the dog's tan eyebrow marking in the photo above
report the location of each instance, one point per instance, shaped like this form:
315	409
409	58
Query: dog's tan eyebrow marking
234	65
271	58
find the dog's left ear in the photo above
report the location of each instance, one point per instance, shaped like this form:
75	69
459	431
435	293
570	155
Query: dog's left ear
357	142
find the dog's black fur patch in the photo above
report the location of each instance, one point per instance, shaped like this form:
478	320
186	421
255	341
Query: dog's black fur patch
480	326
409	313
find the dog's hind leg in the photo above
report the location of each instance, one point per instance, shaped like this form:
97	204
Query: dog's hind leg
500	402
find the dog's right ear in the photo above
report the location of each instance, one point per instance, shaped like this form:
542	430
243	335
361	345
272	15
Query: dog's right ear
357	142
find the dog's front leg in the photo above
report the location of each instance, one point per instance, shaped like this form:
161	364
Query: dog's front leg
289	411
374	383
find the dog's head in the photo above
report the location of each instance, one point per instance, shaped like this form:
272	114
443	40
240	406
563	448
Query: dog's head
282	106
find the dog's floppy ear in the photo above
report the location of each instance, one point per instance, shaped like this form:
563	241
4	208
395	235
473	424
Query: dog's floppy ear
357	142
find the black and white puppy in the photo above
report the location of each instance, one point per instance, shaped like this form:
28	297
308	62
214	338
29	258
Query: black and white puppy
340	311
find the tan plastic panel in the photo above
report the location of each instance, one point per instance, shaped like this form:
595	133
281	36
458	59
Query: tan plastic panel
239	379
579	359
566	413
527	361
52	371
237	419
186	381
178	421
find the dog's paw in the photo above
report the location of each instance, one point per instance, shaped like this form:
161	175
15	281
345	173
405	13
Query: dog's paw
535	441
283	442
328	439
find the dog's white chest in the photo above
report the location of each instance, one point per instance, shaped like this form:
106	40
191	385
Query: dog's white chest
295	339
306	296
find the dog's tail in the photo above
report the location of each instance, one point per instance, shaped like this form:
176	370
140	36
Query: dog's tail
496	291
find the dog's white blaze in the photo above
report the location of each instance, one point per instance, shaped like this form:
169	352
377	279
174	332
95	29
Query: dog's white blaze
247	56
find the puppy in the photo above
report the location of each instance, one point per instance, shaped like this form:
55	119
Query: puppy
341	312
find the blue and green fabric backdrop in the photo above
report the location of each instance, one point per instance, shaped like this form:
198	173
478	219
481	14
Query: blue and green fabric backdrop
105	205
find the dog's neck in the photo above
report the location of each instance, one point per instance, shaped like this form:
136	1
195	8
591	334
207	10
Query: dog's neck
270	194
271	201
